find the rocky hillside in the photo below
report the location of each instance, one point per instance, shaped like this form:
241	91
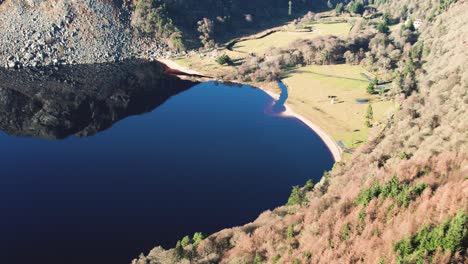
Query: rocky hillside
37	32
53	32
402	198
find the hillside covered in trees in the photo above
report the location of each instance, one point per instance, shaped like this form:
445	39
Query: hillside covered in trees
402	196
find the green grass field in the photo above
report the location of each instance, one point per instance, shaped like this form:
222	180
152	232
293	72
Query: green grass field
310	89
282	39
311	86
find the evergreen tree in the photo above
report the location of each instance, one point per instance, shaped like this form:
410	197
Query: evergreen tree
372	86
179	250
339	8
197	238
296	197
185	241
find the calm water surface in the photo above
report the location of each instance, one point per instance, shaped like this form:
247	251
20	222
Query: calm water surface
97	170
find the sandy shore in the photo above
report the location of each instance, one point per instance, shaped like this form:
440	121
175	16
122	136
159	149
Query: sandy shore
332	146
173	65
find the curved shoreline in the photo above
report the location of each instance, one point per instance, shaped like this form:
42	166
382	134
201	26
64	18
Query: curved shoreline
329	142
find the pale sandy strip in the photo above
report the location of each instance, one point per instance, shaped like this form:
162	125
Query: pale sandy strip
173	65
332	146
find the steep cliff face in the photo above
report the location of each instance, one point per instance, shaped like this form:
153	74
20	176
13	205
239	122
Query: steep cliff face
410	178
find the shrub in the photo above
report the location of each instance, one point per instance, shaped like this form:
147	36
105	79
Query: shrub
404	156
257	259
224	59
290	232
309	186
345	232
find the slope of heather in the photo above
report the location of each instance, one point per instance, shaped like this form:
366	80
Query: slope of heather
411	174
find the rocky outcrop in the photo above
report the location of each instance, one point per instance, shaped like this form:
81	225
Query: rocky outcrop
81	100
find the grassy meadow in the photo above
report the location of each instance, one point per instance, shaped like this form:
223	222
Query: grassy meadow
310	87
282	39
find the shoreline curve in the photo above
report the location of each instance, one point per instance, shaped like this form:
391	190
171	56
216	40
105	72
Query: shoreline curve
329	142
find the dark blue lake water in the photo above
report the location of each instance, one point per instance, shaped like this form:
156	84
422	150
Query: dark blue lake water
101	169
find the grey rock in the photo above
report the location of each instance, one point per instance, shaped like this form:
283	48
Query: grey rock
29	56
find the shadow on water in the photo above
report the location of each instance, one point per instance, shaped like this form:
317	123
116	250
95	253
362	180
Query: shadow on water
279	107
81	100
191	158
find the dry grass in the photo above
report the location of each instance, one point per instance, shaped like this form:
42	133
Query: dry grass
309	91
283	39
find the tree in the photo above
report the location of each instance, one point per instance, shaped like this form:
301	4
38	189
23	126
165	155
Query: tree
185	241
457	233
349	57
386	18
197	238
356	7
206	27
369	115
372	86
309	186
290	8
179	250
296	197
339	8
151	18
224	59
382	27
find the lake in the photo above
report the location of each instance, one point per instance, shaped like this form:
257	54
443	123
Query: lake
102	162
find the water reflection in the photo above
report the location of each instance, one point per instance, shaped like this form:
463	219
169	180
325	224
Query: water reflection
279	107
206	159
81	100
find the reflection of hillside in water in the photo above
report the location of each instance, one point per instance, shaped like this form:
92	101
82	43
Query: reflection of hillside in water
81	100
